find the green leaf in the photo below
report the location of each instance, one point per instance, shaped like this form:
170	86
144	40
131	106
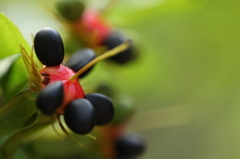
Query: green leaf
11	37
38	128
10	40
6	63
16	112
6	66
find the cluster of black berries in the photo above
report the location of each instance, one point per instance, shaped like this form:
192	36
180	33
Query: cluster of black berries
85	111
63	95
92	29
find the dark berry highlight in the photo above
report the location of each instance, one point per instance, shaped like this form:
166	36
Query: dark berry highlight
116	39
50	98
130	145
103	107
79	116
49	47
79	59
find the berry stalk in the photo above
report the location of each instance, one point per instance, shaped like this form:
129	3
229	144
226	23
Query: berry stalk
107	54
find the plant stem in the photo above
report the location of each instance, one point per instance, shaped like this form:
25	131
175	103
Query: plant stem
101	57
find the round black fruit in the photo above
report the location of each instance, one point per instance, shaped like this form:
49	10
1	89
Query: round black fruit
130	145
116	39
49	47
50	98
79	59
103	107
79	116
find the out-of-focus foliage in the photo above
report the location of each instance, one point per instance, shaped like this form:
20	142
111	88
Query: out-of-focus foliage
189	66
10	42
11	115
13	145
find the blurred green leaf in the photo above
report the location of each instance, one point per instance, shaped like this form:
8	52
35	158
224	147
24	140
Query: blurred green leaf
16	112
136	12
38	128
6	63
10	40
53	146
124	109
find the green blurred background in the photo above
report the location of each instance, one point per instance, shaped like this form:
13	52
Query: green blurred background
186	81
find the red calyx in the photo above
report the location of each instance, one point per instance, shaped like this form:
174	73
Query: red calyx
72	88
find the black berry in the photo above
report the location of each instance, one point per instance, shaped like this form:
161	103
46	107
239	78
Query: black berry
71	10
79	116
116	39
50	98
49	47
130	145
79	59
103	107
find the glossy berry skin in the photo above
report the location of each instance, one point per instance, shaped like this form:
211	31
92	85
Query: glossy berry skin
103	107
50	98
114	40
49	47
72	88
129	145
71	10
79	59
79	116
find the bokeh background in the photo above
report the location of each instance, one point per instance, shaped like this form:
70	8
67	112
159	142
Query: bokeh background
186	81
